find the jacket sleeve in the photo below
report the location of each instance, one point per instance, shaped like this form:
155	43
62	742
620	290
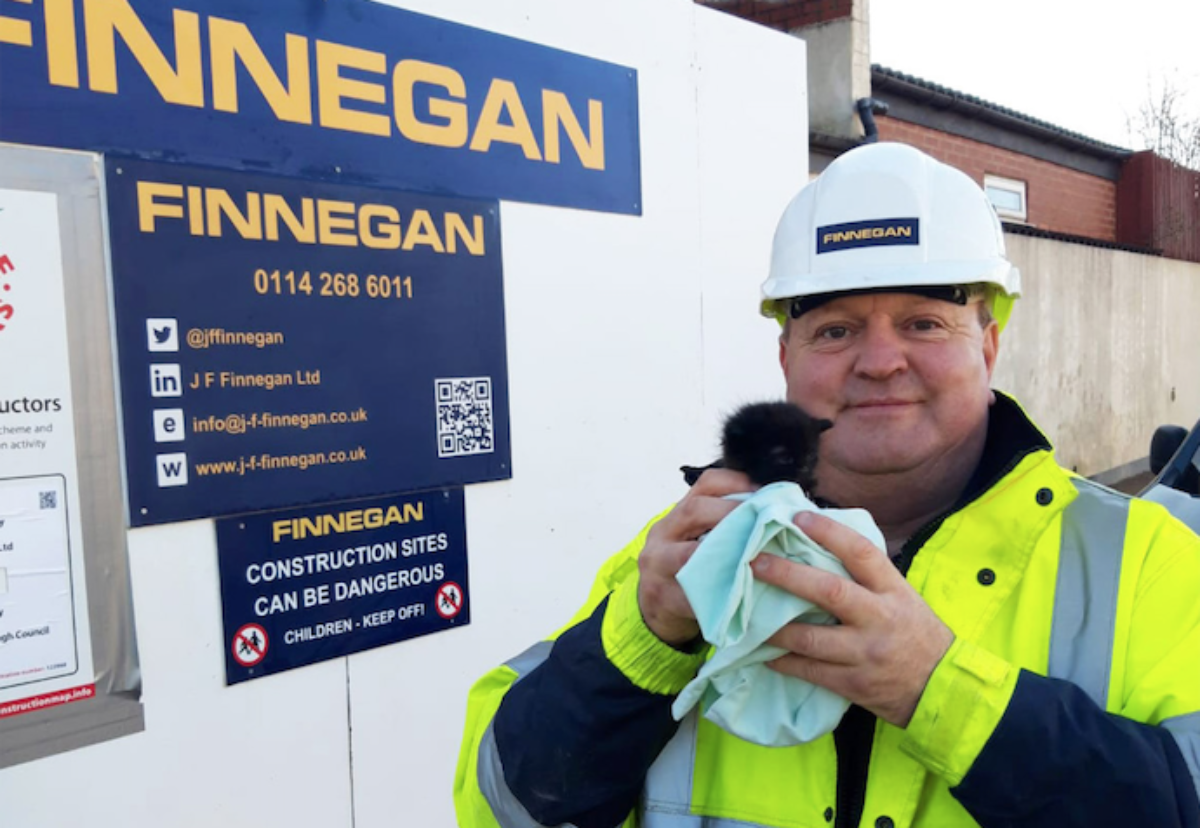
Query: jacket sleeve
1021	749
565	732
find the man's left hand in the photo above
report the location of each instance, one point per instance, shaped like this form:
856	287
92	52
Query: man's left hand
889	641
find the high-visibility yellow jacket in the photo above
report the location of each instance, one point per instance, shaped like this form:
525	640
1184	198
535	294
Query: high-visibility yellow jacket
1071	695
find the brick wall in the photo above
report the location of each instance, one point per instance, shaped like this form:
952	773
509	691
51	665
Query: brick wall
1057	198
784	15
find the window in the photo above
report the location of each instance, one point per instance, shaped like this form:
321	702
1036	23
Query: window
1007	196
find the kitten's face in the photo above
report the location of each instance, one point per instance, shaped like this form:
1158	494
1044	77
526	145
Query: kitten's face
772	441
905	378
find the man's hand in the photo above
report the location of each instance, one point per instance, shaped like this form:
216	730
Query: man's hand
671	543
889	642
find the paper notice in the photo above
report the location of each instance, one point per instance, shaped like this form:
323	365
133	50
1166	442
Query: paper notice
37	614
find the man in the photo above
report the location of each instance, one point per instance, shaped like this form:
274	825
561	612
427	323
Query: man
1030	655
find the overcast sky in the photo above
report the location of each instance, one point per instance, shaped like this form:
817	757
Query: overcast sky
1080	65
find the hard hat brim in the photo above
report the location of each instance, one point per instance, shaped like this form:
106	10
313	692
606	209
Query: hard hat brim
997	272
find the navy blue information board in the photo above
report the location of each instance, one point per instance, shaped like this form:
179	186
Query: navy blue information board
285	342
304	586
344	90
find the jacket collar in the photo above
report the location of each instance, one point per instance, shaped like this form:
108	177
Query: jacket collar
1011	437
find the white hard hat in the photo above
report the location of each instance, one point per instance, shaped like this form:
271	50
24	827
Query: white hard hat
888	216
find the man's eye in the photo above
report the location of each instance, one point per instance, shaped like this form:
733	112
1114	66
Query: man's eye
833	332
927	325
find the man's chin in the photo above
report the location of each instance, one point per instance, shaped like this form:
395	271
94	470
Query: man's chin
869	463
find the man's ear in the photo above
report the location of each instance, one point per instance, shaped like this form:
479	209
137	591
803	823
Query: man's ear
991	346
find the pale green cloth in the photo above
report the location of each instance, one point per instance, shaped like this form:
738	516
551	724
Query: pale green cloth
737	613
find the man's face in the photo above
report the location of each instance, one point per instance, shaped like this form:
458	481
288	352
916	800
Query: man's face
904	378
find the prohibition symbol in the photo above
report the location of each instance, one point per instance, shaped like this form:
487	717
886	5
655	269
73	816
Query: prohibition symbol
449	600
249	645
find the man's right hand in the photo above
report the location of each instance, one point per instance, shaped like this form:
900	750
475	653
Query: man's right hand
670	544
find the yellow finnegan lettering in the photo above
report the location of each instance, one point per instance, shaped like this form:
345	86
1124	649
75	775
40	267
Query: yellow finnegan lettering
332	88
355	520
230	42
15	31
383	234
62	60
456	229
213	212
150	206
422	231
863	233
182	84
503	96
195	210
426	101
303	228
453	133
248	225
556	109
336	229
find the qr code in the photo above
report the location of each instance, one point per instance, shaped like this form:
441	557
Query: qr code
48	500
464	416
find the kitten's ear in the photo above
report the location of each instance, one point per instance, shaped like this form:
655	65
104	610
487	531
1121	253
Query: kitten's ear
823	425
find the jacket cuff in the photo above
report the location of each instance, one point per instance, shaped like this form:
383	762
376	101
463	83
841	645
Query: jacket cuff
963	702
641	656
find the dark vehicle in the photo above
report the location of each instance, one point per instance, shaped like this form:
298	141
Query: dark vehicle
1175	463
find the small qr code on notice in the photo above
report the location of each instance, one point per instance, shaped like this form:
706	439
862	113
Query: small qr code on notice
464	416
48	500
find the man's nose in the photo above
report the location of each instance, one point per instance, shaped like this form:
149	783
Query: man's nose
881	351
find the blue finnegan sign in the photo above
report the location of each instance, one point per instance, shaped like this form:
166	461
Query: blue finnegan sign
304	586
347	90
875	233
284	342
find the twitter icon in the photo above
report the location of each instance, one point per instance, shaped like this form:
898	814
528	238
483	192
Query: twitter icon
162	335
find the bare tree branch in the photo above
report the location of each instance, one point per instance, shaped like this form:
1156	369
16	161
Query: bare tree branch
1168	122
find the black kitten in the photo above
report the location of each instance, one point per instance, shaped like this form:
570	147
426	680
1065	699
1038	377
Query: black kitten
773	441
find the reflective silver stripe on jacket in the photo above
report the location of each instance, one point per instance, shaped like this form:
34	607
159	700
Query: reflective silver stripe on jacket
668	791
508	810
530	660
1085	606
1186	730
1085	595
667	796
